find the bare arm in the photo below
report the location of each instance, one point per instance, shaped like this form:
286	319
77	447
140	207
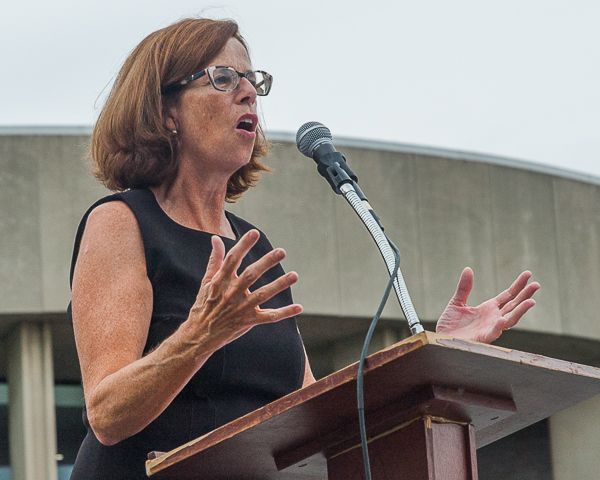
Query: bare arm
112	307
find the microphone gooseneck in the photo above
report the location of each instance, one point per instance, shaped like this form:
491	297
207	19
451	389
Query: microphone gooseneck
315	141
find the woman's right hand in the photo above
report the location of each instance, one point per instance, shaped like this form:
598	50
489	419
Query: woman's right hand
225	308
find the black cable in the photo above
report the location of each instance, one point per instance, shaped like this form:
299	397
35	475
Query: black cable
361	363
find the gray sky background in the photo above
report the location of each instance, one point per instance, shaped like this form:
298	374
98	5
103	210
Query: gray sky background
515	78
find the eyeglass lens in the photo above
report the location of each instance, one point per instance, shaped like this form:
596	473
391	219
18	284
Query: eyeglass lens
226	79
261	81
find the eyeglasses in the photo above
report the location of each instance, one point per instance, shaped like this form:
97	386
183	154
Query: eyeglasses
226	79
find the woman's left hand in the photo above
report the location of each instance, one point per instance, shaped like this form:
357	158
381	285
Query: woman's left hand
486	322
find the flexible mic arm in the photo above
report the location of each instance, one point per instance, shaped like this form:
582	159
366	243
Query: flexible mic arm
332	165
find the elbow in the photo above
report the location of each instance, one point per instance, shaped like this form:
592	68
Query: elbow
105	431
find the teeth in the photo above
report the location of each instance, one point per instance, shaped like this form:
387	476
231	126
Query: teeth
246	120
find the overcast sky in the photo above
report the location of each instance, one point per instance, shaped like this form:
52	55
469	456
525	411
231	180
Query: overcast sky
515	78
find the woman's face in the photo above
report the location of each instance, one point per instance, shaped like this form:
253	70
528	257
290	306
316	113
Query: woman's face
207	120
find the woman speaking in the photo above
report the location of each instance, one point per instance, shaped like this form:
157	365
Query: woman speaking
183	316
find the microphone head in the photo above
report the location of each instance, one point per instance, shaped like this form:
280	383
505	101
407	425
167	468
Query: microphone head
310	136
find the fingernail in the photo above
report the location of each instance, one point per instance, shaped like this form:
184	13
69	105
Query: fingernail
279	254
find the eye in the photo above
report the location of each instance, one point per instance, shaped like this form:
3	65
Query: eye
223	78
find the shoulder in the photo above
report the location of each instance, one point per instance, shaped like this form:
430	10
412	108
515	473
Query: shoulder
118	204
109	234
113	219
111	224
110	216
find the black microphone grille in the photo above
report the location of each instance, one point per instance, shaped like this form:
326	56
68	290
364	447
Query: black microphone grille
310	136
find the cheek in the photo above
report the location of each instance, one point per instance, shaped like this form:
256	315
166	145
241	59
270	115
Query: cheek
209	113
195	107
210	117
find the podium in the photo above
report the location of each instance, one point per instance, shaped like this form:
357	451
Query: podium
430	402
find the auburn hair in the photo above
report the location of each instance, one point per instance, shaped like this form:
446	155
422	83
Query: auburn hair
131	147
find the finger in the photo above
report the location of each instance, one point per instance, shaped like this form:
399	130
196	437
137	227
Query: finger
234	257
216	258
275	315
513	317
511	292
523	295
254	271
262	294
464	287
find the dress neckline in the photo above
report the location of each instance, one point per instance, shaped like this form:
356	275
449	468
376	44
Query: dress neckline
230	218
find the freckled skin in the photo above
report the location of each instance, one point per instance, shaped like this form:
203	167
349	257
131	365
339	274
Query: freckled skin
208	138
112	296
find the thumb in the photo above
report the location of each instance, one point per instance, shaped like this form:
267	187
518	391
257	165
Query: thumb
216	258
463	289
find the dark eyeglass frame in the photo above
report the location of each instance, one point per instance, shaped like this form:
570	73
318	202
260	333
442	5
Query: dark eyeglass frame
210	72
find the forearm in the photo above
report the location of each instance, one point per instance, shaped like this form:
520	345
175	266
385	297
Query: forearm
126	401
124	390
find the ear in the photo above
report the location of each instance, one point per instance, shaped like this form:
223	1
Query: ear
171	123
170	116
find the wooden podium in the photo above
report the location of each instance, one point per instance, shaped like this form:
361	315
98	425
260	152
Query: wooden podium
430	401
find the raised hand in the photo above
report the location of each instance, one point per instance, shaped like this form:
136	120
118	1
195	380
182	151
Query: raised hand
486	322
225	308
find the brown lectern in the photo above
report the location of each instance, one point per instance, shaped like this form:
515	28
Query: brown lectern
430	401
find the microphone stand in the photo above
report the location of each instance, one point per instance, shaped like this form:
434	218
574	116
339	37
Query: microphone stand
345	182
349	189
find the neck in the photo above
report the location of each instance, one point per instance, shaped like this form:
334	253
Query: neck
196	201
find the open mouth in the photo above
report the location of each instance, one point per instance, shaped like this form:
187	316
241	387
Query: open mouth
247	123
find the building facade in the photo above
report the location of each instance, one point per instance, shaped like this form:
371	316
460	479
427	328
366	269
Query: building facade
445	210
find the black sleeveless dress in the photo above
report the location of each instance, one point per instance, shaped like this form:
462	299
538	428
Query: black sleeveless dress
261	366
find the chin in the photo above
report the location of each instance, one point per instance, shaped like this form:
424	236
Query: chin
236	158
240	164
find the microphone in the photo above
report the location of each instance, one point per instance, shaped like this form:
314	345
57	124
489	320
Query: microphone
315	141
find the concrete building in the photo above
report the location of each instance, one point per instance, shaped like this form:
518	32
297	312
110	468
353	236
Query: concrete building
444	209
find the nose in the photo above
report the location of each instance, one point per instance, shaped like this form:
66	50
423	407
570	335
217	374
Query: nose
245	93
